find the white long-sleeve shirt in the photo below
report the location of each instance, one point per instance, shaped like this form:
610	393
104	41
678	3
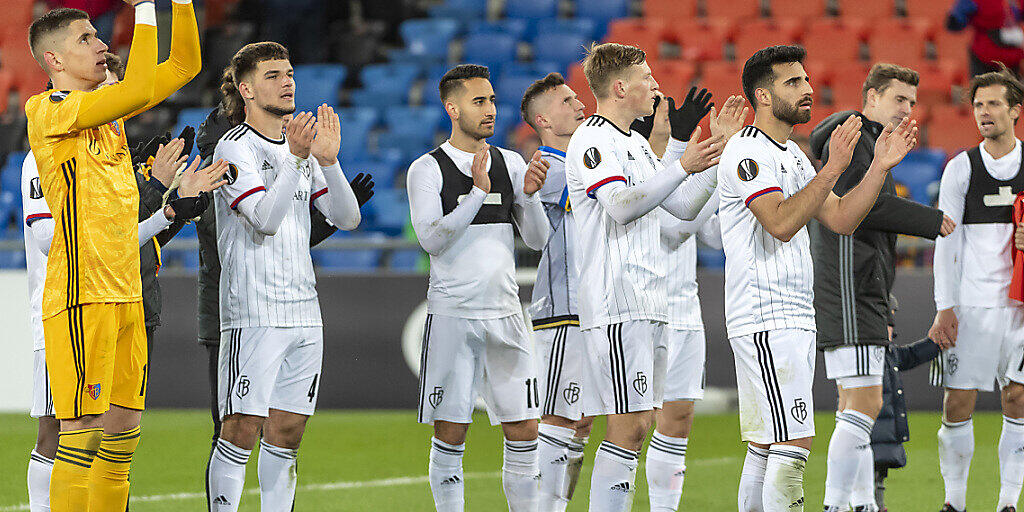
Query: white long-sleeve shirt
472	266
972	265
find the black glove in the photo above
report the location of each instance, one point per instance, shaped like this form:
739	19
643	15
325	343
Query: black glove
142	152
685	119
362	186
188	134
645	125
186	208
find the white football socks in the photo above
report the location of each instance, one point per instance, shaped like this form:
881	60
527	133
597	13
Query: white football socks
666	468
445	473
1011	462
553	457
276	469
784	479
851	441
39	468
611	485
520	477
956	448
752	479
226	476
864	484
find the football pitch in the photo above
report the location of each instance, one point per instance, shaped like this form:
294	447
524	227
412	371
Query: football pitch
377	460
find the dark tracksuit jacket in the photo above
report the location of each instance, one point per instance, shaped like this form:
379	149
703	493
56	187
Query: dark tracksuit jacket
151	201
891	427
853	274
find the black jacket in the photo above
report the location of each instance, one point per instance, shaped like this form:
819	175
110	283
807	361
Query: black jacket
206	229
853	275
891	427
150	202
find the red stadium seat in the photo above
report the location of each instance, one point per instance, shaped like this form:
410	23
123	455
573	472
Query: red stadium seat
757	34
952	46
699	39
867	9
952	128
642	32
820	72
829	40
849	90
669	10
803	9
578	83
935	10
6	85
17	16
733	9
898	40
722	78
674	76
818	114
937	80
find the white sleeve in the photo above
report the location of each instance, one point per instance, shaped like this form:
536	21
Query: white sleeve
153	225
38	219
527	210
246	193
334	197
676	231
673	151
434	230
688	200
948	249
710	232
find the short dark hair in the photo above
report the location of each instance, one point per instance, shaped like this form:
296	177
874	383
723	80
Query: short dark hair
605	61
56	19
1004	77
114	64
882	75
758	70
452	80
243	63
536	89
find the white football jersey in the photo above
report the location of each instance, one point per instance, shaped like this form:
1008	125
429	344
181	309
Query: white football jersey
684	311
621	267
35	208
265	281
769	284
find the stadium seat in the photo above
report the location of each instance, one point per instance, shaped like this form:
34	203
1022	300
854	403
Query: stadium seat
7	84
316	84
578	83
491	50
733	9
935	11
12	259
510	88
417	123
951	128
426	39
391	209
802	9
602	11
536	69
898	41
531	9
698	39
722	78
952	46
670	10
832	41
393	79
757	34
937	80
562	47
919	171
463	10
509	26
710	258
674	76
405	259
362	114
8	199
384	172
585	27
346	260
867	9
644	33
354	135
504	124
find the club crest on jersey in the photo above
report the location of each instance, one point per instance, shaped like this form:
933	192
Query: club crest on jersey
115	127
747	169
436	397
93	390
232	174
591	158
571	393
799	410
640	383
57	96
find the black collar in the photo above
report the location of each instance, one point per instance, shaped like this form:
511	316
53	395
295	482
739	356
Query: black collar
609	121
773	141
264	137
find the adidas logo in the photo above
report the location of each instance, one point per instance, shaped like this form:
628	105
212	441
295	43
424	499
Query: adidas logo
681	472
267	166
564	459
221	500
630	155
452	480
798	503
621	487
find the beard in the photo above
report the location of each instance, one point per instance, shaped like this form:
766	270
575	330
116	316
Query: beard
279	111
476	130
789	113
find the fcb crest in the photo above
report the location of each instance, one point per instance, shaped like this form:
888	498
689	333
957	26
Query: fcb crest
116	127
93	390
747	169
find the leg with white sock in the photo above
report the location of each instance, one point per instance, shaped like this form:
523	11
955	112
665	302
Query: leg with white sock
445	468
520	474
612	484
225	477
863	497
1011	446
553	457
666	455
956	444
849	447
752	479
282	435
784	477
40	464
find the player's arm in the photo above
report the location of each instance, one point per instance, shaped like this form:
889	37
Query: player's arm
435	230
710	232
185	59
333	194
844	214
677	231
527	209
38	219
948	257
113	102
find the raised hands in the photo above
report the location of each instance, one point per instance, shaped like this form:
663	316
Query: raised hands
842	143
731	119
894	143
536	173
327	139
299	132
479	169
195	181
686	118
167	160
699	156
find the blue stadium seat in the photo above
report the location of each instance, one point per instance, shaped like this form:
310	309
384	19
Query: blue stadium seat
405	259
12	259
10	174
531	9
585	27
187	232
536	69
505	123
403	148
391	209
426	39
348	260
464	10
510	89
8	199
316	84
491	50
602	11
190	260
385	84
361	114
354	136
562	47
919	171
710	258
383	172
510	26
429	116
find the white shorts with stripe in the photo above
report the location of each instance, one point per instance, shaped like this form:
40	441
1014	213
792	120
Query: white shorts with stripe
263	368
42	400
625	367
685	375
561	366
462	358
854	361
989	348
774	375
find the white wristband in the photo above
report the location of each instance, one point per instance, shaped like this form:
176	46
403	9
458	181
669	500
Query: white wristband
145	13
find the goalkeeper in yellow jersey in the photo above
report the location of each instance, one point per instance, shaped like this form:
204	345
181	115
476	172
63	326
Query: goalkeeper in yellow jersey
92	301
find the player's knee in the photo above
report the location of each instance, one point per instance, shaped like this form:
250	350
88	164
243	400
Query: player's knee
525	430
286	434
583	426
1013	399
241	430
46	437
958	405
451	433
